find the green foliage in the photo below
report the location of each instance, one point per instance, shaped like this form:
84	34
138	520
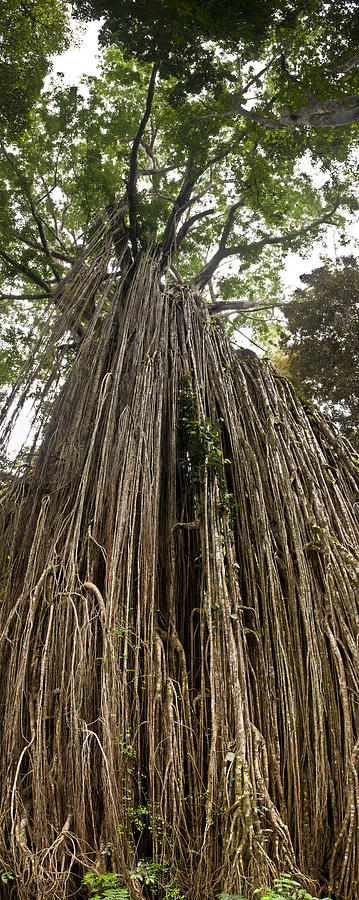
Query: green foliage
6	876
74	161
108	886
321	347
29	33
149	872
224	896
284	888
173	893
105	887
200	441
176	35
195	41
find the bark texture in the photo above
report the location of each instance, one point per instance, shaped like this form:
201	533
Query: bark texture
179	624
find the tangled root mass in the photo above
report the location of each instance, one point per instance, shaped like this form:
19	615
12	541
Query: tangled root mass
179	624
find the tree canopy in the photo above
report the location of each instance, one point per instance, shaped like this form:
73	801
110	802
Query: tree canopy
231	192
312	46
321	345
30	33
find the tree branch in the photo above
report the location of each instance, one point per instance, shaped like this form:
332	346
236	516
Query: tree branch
323	114
23	296
206	273
185	228
36	246
131	185
352	63
288	75
43	240
154	171
283	238
25	270
228	306
224	252
178	208
256	78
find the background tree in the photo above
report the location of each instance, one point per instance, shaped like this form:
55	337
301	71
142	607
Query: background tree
178	554
321	344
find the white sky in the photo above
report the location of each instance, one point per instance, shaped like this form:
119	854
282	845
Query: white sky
81	59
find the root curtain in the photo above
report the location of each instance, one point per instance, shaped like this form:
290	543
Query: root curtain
179	623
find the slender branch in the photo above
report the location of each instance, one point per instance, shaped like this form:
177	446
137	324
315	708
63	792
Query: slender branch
56	232
23	296
224	252
43	240
29	273
288	75
183	231
49	190
206	273
228	306
36	246
256	78
131	186
23	182
283	238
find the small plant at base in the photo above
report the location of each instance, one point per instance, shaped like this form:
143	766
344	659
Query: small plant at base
224	896
285	888
172	893
149	872
6	876
105	887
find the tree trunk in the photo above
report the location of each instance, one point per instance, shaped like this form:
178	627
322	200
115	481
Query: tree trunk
180	617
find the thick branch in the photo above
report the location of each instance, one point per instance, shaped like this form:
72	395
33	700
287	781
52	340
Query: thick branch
154	171
352	63
23	296
178	208
324	114
184	198
131	187
228	225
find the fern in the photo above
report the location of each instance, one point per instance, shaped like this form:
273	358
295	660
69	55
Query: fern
105	887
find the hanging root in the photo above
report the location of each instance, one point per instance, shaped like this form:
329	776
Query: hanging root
180	614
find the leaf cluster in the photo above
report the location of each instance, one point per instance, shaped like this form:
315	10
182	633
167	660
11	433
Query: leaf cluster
321	345
29	34
188	40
